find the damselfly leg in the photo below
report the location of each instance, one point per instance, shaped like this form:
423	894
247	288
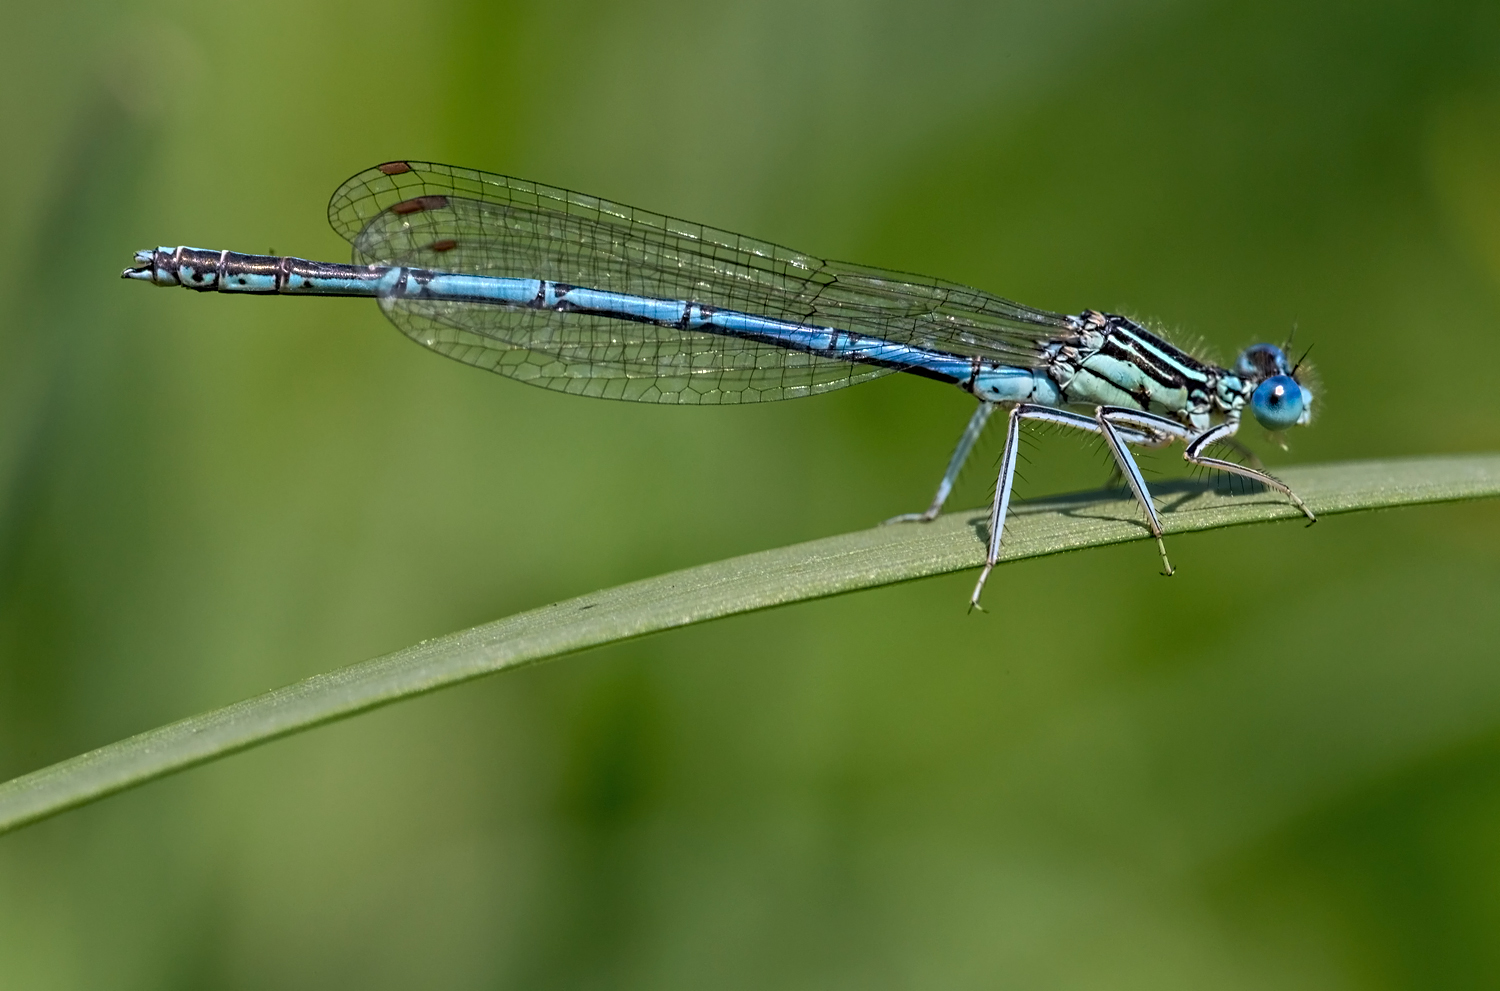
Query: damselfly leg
1121	428
1204	441
1116	436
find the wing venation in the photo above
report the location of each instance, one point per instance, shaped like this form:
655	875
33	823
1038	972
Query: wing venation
458	220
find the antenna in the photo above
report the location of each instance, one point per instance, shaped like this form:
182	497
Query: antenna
1301	360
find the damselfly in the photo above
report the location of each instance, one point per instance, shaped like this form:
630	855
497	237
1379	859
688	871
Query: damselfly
581	295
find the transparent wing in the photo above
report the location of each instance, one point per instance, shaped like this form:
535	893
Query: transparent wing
458	220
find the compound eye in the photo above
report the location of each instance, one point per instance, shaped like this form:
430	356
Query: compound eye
1260	360
1277	403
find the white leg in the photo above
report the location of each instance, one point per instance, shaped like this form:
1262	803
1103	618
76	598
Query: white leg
1103	415
1001	508
1223	431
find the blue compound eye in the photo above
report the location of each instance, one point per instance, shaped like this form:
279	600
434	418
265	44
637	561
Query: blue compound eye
1277	402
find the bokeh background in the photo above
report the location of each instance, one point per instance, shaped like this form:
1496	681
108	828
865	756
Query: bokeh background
1281	769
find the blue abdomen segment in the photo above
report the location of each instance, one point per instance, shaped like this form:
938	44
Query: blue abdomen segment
416	283
1006	384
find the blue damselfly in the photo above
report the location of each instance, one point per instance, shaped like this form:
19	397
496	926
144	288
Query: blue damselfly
581	295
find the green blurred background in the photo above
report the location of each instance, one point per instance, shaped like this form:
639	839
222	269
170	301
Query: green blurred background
1281	769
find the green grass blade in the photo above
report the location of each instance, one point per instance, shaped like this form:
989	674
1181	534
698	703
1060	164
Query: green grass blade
868	558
